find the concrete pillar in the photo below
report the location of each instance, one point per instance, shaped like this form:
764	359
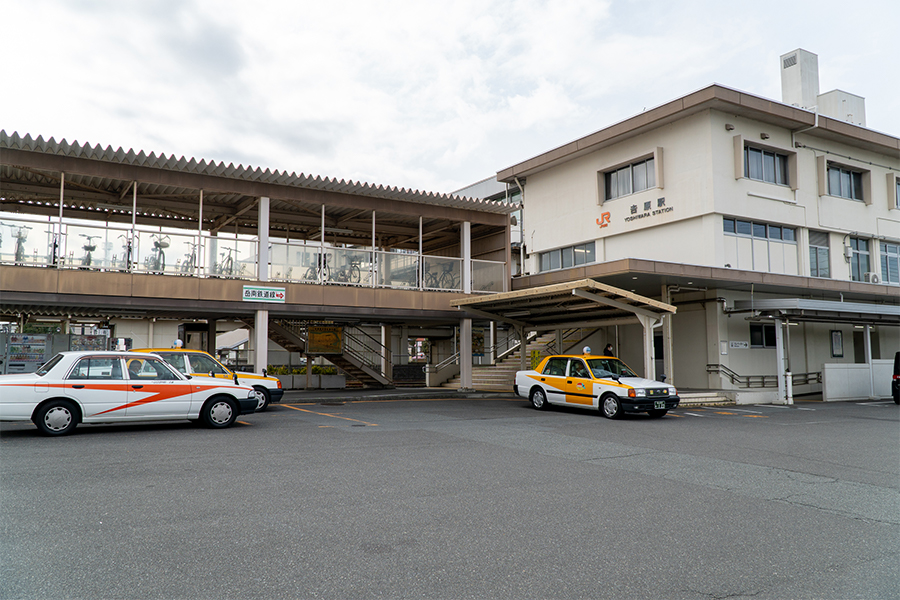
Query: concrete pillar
466	245
262	255
261	337
649	364
668	342
403	346
779	360
465	353
211	336
520	332
868	343
386	369
492	343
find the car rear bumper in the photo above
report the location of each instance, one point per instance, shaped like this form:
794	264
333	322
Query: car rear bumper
276	394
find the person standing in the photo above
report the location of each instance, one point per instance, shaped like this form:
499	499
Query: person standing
608	351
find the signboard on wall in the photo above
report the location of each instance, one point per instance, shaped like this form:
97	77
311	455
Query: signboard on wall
325	340
256	293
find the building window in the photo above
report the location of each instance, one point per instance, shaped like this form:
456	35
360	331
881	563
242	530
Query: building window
630	179
859	259
760	230
845	183
890	262
762	335
570	256
764	165
818	254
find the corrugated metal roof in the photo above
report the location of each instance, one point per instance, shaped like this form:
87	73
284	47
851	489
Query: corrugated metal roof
249	173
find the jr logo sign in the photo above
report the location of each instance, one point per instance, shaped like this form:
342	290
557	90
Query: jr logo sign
603	221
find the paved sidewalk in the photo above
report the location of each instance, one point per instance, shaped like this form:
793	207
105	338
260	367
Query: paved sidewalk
351	395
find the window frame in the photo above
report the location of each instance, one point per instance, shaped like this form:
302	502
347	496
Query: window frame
779	167
857	272
855	182
890	255
647	167
785	234
765	331
556	259
814	257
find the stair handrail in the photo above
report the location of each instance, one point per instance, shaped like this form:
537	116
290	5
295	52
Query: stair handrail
763	381
453	358
368	350
512	349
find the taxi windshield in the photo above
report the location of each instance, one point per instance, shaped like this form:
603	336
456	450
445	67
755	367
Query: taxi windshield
609	367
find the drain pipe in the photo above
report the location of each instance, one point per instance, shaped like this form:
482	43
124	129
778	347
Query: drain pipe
521	227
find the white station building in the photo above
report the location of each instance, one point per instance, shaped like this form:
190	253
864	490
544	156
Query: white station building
772	227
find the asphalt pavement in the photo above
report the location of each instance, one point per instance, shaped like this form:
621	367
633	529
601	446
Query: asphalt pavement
459	497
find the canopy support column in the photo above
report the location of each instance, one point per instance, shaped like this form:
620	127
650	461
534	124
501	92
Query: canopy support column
465	354
649	364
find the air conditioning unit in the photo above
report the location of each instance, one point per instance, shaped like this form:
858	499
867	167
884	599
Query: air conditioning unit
872	277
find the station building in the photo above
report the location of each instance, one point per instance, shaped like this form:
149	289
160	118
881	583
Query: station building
726	241
772	227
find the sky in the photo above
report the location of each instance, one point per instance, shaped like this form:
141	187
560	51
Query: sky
415	94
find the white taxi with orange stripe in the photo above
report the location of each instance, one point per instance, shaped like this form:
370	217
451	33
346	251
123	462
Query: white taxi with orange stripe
112	387
604	383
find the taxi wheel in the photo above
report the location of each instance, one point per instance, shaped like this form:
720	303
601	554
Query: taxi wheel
262	398
656	414
538	399
56	418
610	406
219	412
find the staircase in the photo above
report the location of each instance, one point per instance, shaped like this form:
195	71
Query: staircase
359	359
501	376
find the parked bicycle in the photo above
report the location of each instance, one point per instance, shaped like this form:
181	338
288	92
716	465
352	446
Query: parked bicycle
54	247
189	265
429	279
348	273
88	247
319	271
20	232
125	263
226	266
448	279
156	262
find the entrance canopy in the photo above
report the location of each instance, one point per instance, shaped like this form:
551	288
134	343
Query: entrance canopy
582	303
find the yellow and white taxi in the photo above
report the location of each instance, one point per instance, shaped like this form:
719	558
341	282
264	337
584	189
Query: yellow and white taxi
201	364
603	383
116	387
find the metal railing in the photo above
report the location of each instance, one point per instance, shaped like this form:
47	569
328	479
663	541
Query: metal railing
762	381
155	251
368	350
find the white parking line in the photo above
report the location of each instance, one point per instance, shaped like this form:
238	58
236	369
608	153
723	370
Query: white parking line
693	414
875	403
755	412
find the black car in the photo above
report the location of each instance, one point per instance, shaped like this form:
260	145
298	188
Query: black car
895	382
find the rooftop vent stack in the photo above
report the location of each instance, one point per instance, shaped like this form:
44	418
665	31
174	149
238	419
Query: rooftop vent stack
800	79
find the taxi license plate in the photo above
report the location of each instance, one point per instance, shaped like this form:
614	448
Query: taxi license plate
659	404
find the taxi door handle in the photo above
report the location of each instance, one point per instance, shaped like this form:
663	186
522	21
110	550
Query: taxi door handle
77	387
569	381
137	387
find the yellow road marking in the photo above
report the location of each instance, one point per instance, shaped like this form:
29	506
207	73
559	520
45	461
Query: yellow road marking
757	416
243	423
722	412
330	415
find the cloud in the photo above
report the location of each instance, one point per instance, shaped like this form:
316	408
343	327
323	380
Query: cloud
413	94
